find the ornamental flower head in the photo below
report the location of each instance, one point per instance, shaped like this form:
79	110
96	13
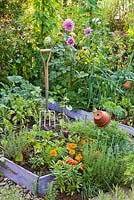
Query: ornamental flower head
71	161
47	39
53	153
71	152
71	145
78	157
70	41
125	35
68	25
87	31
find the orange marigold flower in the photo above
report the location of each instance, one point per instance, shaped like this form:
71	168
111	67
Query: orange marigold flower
91	139
53	153
83	141
78	157
68	145
97	154
71	151
81	149
82	167
71	145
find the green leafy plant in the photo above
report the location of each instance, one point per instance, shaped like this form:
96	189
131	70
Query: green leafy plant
125	103
13	193
129	171
68	178
101	167
36	162
52	192
13	145
19	102
117	193
115	110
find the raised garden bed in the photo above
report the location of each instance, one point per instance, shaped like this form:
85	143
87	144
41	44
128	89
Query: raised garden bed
36	184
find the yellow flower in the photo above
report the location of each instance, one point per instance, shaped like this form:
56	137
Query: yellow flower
78	157
71	152
53	153
47	39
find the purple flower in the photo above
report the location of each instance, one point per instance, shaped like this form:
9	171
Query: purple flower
68	25
87	31
70	41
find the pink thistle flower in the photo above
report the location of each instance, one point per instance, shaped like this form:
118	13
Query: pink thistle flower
87	31
70	41
125	35
68	25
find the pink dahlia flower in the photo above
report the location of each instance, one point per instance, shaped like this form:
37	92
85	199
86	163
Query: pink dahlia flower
70	41
68	25
87	31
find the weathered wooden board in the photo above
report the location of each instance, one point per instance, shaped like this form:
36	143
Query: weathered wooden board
43	183
23	177
81	114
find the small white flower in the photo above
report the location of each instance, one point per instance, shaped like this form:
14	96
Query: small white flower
96	20
11	60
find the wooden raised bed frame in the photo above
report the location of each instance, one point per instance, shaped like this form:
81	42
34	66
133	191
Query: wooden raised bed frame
36	184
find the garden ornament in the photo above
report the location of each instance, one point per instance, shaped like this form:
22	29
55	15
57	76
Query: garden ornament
101	118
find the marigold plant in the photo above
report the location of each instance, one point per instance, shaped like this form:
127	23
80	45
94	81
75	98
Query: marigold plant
53	153
71	145
71	152
78	157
